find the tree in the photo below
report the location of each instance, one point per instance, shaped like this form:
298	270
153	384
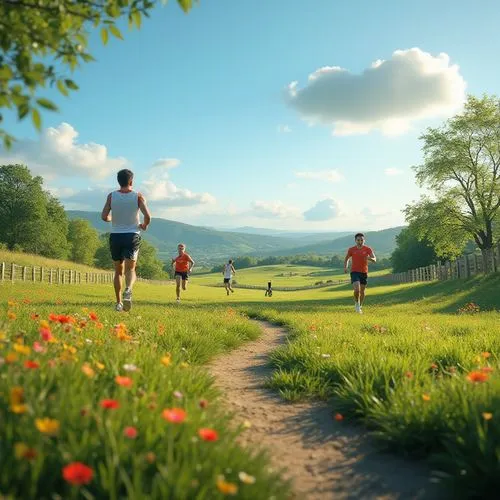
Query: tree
53	241
84	240
149	266
102	256
22	207
462	169
411	252
31	218
41	40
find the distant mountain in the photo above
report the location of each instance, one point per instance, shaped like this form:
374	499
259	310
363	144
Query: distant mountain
206	245
209	246
383	243
283	233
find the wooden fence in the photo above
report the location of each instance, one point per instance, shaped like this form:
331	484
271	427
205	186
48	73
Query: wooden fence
37	274
464	267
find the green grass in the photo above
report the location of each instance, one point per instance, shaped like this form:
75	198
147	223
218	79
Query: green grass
400	369
279	275
26	259
76	373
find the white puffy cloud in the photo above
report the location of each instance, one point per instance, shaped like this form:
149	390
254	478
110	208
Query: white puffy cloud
161	191
387	96
323	210
321	175
92	198
57	153
392	171
166	163
273	209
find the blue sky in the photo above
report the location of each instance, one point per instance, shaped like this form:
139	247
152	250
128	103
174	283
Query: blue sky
205	97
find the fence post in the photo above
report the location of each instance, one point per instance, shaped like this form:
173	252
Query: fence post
63	277
41	274
24	273
3	271
12	272
33	274
50	276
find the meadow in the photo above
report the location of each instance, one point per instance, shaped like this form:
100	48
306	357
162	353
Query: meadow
128	396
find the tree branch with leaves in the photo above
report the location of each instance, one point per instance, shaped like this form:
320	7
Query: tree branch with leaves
41	41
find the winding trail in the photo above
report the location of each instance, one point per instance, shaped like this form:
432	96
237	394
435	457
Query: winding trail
324	459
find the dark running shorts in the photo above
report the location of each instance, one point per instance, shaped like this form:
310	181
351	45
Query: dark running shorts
182	274
361	277
124	246
227	280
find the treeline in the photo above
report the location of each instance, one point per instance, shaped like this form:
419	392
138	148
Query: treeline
336	261
32	220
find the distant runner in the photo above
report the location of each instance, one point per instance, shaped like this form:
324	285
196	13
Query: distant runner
359	254
122	210
183	264
269	291
228	272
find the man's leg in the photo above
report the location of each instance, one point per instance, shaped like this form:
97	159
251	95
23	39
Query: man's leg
184	282
117	281
178	287
226	286
130	274
130	277
362	294
356	288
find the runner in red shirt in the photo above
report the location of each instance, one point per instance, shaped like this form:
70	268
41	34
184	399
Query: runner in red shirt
359	255
183	265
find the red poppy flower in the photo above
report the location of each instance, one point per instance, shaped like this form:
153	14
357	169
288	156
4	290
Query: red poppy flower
487	369
110	404
46	334
409	374
53	317
339	417
130	432
174	415
477	376
35	316
93	316
124	381
33	365
77	473
208	434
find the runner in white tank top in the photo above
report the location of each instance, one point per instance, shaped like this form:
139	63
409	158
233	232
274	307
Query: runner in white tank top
228	272
122	210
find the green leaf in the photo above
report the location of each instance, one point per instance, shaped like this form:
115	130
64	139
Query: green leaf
116	32
104	36
22	110
185	4
45	103
36	118
71	84
136	16
62	88
5	73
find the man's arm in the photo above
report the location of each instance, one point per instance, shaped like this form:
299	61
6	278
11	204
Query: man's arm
372	257
143	207
191	261
346	260
234	270
105	215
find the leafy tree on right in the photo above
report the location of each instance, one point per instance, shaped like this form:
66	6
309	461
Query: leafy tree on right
461	169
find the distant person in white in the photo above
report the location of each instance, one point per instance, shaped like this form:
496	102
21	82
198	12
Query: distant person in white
228	272
122	210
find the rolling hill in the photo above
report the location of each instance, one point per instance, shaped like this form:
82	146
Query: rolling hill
210	246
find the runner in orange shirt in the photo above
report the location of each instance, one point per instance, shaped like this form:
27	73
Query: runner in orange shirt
359	254
183	264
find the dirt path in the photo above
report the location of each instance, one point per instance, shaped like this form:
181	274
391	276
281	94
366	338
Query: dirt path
324	459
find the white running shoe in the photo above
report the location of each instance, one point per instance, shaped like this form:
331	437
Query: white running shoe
360	310
178	299
357	307
119	307
127	299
